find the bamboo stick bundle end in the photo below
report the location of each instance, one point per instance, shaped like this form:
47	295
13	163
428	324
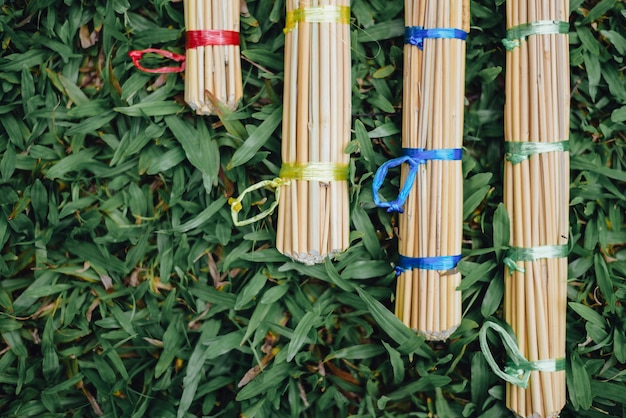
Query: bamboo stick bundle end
213	67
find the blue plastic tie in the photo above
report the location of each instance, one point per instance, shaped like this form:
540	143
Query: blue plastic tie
420	155
415	35
413	157
445	262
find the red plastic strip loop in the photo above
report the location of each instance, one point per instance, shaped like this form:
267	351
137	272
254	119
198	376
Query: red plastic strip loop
198	38
138	54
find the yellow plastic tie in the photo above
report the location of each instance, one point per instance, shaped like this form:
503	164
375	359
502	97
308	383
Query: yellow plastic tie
317	14
236	205
314	171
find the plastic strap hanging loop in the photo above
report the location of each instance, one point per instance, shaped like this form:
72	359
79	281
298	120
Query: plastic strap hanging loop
138	54
379	179
518	370
413	157
236	206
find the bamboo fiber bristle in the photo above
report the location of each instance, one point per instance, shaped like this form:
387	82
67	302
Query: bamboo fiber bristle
431	226
537	199
213	72
313	221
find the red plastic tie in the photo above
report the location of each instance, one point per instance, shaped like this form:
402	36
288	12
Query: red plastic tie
198	38
138	54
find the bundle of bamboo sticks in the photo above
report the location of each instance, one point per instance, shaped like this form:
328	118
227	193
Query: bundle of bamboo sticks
536	189
427	299
213	66
313	218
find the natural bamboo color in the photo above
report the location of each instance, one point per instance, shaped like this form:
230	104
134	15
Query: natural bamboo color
313	220
537	198
212	71
427	300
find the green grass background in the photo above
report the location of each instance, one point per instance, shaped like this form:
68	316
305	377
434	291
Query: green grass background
126	291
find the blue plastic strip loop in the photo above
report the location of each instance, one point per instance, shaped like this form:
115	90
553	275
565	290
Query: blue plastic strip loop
379	178
446	262
413	157
415	35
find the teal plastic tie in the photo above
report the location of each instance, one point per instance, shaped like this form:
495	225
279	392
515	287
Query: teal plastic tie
515	254
541	27
516	151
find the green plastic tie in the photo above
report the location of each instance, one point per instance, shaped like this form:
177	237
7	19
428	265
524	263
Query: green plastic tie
515	254
518	369
541	27
516	151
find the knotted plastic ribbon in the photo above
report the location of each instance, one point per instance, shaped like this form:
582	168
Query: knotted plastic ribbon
517	370
415	35
519	33
413	157
515	254
193	39
317	14
312	171
516	151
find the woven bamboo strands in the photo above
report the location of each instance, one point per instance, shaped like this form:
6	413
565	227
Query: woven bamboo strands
313	216
536	190
213	65
427	300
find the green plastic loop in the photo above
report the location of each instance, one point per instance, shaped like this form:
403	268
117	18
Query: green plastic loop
518	368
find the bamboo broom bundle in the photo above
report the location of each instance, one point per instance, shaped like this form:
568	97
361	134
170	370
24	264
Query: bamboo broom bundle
213	66
430	233
313	220
536	188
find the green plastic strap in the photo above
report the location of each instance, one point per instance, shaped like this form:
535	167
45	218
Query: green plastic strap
314	171
536	253
518	369
541	27
516	151
515	254
236	206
